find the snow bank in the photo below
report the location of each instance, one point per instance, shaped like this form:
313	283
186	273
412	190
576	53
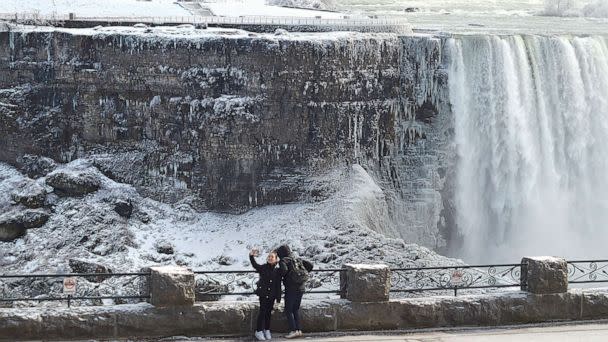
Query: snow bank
236	8
170	8
597	9
88	229
91	8
572	8
313	4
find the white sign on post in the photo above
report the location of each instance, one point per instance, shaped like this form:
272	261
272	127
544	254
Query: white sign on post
456	278
69	286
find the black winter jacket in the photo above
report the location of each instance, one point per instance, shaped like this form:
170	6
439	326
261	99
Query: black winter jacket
286	266
269	284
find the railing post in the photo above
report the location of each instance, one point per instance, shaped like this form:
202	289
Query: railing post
171	286
543	275
365	283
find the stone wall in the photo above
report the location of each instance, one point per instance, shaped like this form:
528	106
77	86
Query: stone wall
367	307
238	318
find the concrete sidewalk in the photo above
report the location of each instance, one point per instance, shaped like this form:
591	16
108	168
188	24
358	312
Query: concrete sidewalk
587	332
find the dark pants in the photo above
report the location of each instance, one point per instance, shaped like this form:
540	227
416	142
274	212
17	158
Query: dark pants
293	298
264	314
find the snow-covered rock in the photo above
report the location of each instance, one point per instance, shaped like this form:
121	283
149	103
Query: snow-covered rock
29	193
76	183
83	266
36	166
87	229
14	223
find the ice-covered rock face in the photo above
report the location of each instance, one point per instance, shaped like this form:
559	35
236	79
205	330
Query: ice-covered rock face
227	120
231	121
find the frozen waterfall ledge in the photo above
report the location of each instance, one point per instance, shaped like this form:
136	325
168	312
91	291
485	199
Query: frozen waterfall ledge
237	318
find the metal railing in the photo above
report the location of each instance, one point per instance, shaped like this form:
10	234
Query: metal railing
587	271
217	20
93	288
454	278
214	284
403	280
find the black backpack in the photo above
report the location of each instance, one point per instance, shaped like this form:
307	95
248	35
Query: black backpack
298	274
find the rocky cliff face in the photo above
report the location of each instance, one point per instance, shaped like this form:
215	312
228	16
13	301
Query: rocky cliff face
227	120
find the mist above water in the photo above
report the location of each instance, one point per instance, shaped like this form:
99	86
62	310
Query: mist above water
531	123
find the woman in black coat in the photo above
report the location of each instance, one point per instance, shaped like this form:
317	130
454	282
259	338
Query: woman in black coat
268	291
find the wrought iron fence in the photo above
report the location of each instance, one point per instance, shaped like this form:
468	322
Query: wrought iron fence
89	287
587	271
213	284
454	278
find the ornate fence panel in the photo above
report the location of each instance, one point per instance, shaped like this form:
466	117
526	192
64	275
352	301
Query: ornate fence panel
211	285
454	278
587	271
91	288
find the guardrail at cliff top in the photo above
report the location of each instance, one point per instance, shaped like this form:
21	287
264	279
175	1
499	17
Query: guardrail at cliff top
252	23
208	285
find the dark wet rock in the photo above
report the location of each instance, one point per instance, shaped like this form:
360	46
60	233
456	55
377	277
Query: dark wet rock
224	260
81	266
36	166
30	194
33	218
73	183
124	208
10	230
15	223
143	216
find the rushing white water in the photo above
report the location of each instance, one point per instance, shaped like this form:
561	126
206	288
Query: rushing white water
531	118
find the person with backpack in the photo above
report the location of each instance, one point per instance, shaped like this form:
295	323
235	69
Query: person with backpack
294	271
268	291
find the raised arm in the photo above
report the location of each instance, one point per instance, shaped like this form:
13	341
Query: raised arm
253	262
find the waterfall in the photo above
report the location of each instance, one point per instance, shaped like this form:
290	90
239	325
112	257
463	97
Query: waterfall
531	135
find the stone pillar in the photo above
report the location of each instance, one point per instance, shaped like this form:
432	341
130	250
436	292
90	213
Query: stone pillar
171	286
365	283
542	275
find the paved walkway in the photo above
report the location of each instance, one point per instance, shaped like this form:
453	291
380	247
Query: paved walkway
587	332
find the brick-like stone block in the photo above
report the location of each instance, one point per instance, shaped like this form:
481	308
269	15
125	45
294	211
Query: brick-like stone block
171	286
366	283
543	275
